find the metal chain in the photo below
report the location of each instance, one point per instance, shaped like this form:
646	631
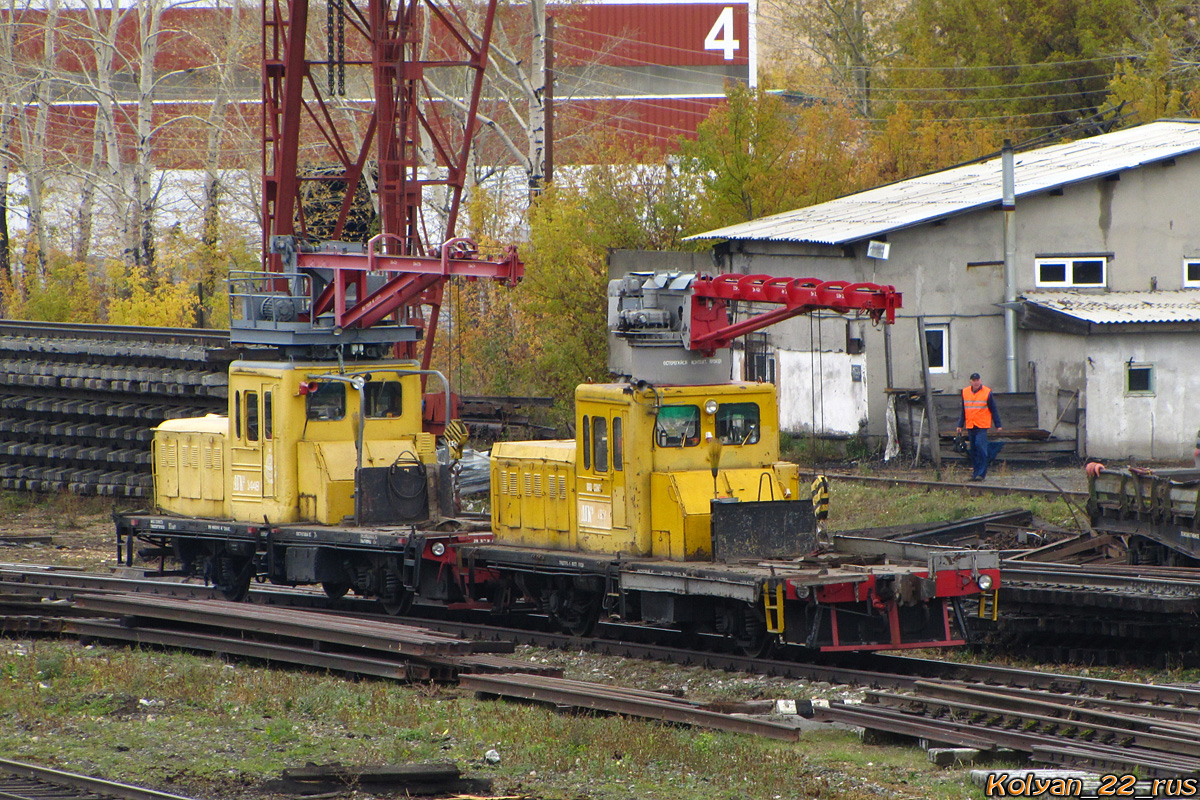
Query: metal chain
329	43
341	47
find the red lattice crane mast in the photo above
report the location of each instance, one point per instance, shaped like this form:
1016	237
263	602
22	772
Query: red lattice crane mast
359	117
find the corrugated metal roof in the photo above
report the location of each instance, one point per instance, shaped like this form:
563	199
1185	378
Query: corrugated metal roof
1114	308
953	191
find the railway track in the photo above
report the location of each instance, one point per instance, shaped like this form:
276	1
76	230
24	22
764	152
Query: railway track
972	488
625	641
20	781
1063	719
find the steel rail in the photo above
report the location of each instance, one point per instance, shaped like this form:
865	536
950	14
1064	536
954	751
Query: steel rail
1071	575
968	487
342	630
872	670
952	731
1160	694
42	777
682	656
265	651
64	330
600	697
1168	716
1175	743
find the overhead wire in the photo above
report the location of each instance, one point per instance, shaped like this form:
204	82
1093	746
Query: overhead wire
905	94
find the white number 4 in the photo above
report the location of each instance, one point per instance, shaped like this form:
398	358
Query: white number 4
720	36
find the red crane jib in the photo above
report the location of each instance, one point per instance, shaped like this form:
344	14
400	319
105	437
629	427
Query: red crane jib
411	277
712	330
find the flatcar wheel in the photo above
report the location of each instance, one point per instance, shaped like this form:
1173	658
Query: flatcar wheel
232	576
761	646
754	640
396	604
335	590
575	612
581	625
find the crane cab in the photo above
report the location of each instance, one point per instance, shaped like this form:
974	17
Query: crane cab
295	437
643	470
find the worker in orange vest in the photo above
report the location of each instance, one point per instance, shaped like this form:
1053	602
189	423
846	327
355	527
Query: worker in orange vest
978	415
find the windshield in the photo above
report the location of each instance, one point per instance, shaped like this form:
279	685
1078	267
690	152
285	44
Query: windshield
327	402
383	399
737	423
677	426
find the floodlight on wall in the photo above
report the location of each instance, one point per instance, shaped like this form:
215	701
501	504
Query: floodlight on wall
878	250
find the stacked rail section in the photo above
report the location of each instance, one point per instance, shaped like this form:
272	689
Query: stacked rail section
78	403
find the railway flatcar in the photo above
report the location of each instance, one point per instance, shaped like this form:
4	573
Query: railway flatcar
670	508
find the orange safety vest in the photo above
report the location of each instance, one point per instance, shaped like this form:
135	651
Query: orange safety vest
975	404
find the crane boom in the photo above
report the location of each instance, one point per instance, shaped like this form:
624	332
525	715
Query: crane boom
671	327
377	123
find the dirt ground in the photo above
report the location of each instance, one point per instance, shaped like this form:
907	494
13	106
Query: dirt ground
80	529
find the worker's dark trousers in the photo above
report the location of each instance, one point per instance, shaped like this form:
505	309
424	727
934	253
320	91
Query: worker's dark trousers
982	451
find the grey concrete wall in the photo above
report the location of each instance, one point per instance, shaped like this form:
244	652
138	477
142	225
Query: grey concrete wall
1060	364
1118	425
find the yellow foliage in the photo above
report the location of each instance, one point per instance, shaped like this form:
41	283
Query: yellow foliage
756	155
167	305
1147	90
68	291
186	259
909	145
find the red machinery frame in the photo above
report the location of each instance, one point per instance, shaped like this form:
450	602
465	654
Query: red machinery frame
711	329
399	41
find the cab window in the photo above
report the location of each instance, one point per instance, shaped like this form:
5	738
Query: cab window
268	416
618	444
383	399
237	415
251	416
587	442
677	426
327	402
737	423
600	444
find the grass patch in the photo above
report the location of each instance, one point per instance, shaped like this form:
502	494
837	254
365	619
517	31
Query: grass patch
17	502
218	730
856	505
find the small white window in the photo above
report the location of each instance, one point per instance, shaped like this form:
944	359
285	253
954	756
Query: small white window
1191	273
1139	378
1083	272
937	340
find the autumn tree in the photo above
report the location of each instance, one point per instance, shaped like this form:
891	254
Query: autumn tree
1043	64
102	181
1163	81
10	91
31	71
907	144
757	155
231	45
845	44
550	333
